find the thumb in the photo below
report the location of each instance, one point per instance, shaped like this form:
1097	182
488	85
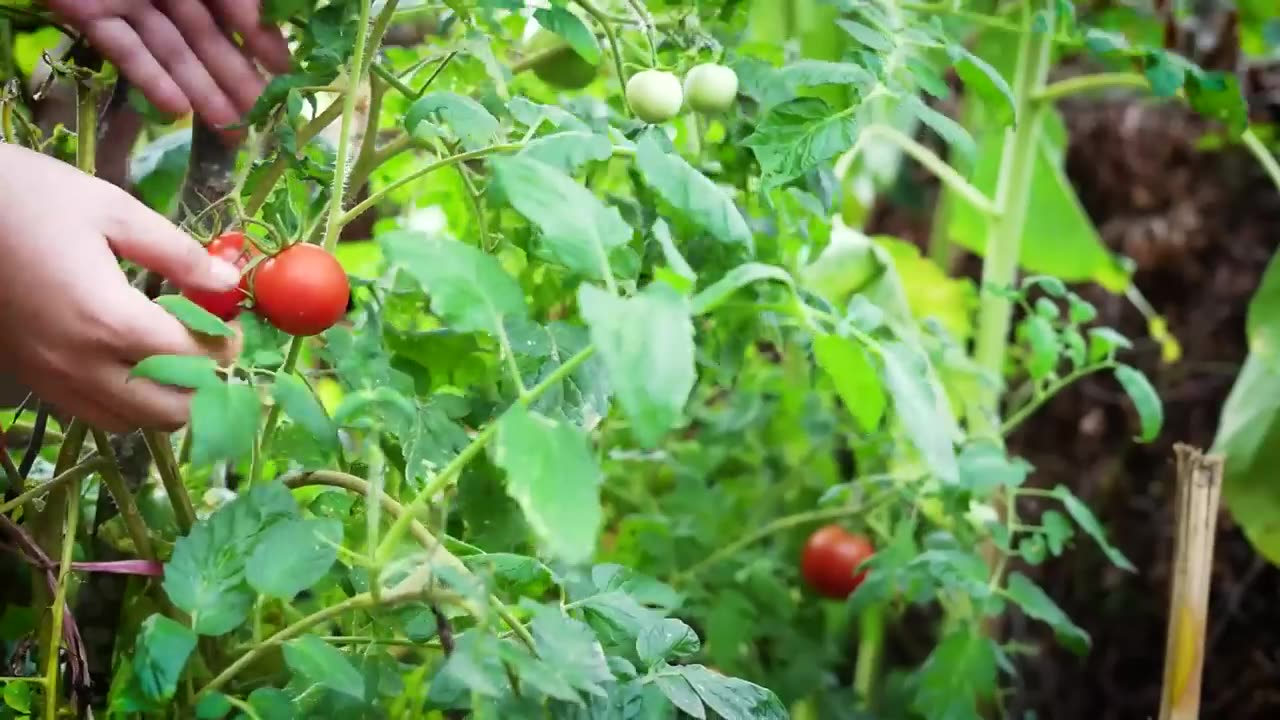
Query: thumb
143	236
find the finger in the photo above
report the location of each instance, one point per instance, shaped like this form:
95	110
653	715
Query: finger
167	44
141	235
117	41
264	42
145	404
83	402
150	330
228	65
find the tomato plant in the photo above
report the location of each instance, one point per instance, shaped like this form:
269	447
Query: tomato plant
620	341
302	290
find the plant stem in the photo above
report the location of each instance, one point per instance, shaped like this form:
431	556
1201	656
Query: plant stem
1041	398
355	72
60	605
870	644
277	168
362	601
934	164
273	415
609	33
1013	194
72	475
10	470
424	537
183	511
1264	156
449	473
1090	83
129	513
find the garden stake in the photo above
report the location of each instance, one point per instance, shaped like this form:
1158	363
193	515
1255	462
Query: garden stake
1196	512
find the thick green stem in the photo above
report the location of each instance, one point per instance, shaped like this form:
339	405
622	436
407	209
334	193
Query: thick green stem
1004	244
355	72
183	510
1091	83
60	606
870	645
129	513
72	475
273	415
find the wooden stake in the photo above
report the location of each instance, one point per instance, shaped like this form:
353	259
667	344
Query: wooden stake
1199	490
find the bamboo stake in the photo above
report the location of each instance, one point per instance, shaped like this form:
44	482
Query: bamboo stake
1199	490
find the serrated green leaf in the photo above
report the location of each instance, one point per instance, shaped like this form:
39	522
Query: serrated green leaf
186	371
1084	517
194	317
681	694
866	35
312	545
668	639
694	197
914	405
468	119
807	73
570	27
1036	604
301	405
957	676
647	345
986	83
468	288
732	697
578	229
713	295
552	474
1145	400
159	656
855	378
224	422
573	648
319	662
568	151
797	136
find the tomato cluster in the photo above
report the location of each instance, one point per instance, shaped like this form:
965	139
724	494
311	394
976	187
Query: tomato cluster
831	559
301	290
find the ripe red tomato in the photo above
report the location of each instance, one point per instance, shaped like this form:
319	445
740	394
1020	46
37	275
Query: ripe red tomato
229	246
831	557
302	290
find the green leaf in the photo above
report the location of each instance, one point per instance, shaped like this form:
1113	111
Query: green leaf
1084	517
949	130
1249	428
301	405
1045	349
667	639
681	694
915	405
271	704
855	378
866	35
212	706
568	26
797	136
1145	400
468	119
713	295
1036	604
533	114
17	696
647	345
676	261
985	466
731	697
159	655
572	647
552	474
695	197
568	151
185	371
576	227
959	673
224	423
194	317
806	73
318	662
986	83
293	555
468	288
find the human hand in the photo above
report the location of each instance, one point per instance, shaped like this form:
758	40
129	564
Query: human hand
71	325
176	53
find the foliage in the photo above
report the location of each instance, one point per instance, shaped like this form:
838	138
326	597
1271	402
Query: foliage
601	377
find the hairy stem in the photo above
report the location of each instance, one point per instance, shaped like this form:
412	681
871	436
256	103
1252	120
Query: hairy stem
183	510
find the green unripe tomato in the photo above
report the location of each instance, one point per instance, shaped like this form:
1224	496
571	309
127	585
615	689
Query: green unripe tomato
710	88
565	68
654	96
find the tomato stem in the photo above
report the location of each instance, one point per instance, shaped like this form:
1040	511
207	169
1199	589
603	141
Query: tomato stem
158	444
60	604
355	73
612	36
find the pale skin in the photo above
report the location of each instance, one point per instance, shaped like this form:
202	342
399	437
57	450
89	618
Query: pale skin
72	325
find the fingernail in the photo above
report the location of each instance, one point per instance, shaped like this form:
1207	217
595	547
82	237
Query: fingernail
223	273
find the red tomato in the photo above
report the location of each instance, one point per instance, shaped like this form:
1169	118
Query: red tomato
229	246
302	290
831	557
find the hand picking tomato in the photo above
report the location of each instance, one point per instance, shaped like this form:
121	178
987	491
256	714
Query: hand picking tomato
302	290
229	246
831	558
